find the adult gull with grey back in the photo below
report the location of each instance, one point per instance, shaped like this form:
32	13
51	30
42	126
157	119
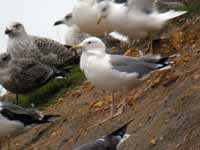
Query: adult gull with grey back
136	19
116	72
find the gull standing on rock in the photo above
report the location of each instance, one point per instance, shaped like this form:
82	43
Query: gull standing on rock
14	118
73	36
108	142
136	19
22	45
23	76
116	72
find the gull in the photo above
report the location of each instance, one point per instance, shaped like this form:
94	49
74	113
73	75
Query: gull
108	142
136	19
85	15
115	72
22	45
23	76
13	119
73	35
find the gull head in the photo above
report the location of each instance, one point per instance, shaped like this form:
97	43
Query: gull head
104	8
67	20
15	29
92	44
4	59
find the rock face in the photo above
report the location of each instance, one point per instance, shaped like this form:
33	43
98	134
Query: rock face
165	109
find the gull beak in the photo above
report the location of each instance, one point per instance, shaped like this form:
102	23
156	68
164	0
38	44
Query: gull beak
58	22
8	31
99	19
77	48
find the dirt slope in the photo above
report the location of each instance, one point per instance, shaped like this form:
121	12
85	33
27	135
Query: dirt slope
165	109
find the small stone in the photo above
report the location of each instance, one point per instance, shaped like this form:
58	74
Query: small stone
196	77
99	104
53	134
153	142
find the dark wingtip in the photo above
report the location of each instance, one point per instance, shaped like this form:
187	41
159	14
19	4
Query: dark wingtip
122	130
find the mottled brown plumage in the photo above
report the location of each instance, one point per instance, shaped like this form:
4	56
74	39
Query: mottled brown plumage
47	51
23	76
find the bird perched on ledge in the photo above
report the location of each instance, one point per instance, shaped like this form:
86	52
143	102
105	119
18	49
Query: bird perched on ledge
116	72
13	119
23	76
22	45
136	19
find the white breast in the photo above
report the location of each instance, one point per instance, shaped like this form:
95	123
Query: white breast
85	16
99	72
9	127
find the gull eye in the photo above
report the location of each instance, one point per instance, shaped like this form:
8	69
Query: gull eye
4	58
104	9
17	25
89	42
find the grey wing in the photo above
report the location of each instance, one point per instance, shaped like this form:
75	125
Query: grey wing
53	53
97	145
15	109
147	6
132	65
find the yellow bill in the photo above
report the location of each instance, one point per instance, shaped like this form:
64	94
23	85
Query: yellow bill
99	19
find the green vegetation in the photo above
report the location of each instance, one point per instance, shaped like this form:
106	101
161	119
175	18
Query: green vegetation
191	6
49	93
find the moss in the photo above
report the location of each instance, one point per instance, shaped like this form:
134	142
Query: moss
49	93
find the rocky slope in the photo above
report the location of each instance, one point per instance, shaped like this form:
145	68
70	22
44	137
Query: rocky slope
165	109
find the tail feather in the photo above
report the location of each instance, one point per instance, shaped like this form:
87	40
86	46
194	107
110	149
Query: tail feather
121	131
171	14
60	73
47	118
163	64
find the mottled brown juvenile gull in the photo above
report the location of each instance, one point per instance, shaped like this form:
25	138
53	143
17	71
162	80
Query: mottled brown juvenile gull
73	35
116	72
108	142
14	119
23	76
22	45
